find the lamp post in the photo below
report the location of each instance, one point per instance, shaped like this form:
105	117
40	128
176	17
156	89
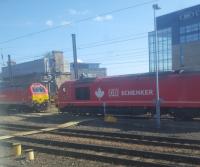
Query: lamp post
156	7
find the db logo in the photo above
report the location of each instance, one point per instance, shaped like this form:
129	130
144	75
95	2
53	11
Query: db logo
99	93
113	92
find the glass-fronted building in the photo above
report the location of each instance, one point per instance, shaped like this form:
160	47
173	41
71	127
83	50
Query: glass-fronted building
178	42
163	48
190	33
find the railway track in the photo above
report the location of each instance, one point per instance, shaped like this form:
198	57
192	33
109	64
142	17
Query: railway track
101	153
55	150
19	127
102	133
115	136
110	154
131	138
120	116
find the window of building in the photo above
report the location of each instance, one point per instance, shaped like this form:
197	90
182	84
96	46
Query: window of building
190	33
182	30
182	39
163	48
192	37
82	93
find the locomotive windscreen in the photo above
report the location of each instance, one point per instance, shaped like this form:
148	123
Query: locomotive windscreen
38	89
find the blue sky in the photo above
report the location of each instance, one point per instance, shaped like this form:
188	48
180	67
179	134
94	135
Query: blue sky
121	37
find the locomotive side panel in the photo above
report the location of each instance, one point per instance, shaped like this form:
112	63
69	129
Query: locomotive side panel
12	96
135	91
23	97
180	91
177	91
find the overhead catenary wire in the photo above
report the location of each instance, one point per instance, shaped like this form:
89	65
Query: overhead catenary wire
102	43
112	39
110	43
141	61
127	51
111	51
126	62
77	21
113	42
105	42
119	54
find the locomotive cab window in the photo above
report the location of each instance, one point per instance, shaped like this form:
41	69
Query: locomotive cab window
38	89
82	93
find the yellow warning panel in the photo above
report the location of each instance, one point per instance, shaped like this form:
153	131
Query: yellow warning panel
110	118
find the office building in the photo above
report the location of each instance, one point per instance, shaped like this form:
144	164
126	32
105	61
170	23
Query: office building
178	43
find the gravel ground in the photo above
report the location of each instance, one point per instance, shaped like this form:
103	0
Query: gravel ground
170	128
116	144
190	129
45	160
38	119
22	161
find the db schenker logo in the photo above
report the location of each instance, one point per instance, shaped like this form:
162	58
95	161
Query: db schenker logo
99	93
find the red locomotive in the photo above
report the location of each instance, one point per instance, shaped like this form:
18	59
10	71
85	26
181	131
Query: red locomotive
33	96
179	94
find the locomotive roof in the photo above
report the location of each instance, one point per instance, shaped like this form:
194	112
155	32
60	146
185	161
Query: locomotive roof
179	72
14	85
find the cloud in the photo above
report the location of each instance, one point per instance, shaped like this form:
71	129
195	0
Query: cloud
103	18
76	12
79	61
63	23
49	23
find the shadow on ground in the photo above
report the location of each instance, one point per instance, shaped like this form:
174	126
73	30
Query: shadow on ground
168	126
147	125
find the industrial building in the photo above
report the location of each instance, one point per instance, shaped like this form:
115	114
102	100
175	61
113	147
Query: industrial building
178	42
52	70
88	70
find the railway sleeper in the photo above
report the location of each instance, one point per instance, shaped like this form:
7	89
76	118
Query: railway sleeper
127	140
99	156
134	136
129	152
